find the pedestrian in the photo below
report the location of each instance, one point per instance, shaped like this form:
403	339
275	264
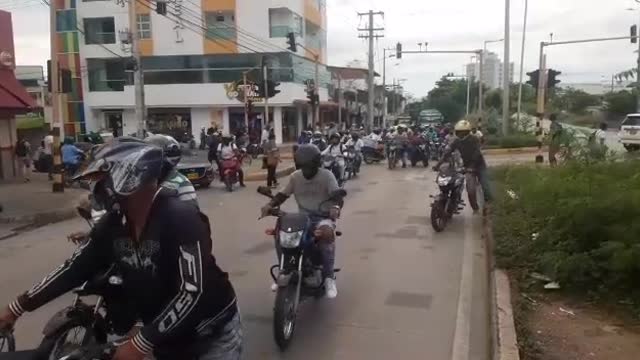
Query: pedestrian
272	156
23	153
555	131
47	154
203	139
265	136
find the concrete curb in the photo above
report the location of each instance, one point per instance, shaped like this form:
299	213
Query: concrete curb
524	150
504	341
262	175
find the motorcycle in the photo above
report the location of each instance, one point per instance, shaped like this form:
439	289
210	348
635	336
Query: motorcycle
351	167
373	154
299	271
88	352
436	149
449	201
230	170
254	150
392	156
81	324
330	163
420	153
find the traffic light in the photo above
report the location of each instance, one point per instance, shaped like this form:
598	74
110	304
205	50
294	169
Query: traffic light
534	79
398	51
291	41
551	80
634	34
272	86
161	7
314	99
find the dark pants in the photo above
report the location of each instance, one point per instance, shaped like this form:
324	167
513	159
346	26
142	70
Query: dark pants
271	175
47	161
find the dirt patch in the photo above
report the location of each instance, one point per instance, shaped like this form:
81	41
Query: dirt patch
555	328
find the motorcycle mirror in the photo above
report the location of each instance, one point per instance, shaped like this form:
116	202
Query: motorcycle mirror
265	190
84	213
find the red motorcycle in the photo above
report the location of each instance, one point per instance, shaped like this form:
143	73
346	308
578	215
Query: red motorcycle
231	170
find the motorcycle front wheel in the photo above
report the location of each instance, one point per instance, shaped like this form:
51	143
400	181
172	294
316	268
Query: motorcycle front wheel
228	183
438	216
284	316
68	338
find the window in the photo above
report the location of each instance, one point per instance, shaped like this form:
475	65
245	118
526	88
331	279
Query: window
144	26
283	21
99	31
66	20
221	25
631	121
107	75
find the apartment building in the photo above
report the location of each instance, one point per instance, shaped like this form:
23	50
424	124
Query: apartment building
194	57
492	70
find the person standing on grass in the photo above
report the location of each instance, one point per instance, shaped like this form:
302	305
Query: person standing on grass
272	156
23	153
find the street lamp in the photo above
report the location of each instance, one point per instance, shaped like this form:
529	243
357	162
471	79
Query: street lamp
491	41
524	36
506	69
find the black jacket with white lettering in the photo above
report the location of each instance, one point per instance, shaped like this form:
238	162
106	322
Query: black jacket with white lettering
171	279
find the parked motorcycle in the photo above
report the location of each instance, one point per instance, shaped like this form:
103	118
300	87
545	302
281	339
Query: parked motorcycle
299	272
230	171
449	201
81	324
420	153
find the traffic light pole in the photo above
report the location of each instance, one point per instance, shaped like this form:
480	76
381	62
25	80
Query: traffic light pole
246	107
266	95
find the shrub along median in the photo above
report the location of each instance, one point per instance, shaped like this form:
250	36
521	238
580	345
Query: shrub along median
511	141
577	224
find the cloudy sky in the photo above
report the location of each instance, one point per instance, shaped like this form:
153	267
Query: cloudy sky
446	25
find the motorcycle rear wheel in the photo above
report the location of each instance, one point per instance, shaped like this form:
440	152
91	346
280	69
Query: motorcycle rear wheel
438	216
368	159
56	345
284	316
228	183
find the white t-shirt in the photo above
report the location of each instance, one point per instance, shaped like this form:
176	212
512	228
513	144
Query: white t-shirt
601	136
375	137
357	145
265	136
48	145
227	151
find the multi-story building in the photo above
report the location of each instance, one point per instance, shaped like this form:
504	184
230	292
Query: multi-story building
193	59
492	70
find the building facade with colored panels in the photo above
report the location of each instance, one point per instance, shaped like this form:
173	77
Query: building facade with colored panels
68	30
194	57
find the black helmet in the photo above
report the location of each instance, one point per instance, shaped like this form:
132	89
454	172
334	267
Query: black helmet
127	165
334	136
308	159
170	147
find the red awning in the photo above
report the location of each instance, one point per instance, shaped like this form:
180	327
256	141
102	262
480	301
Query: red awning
13	96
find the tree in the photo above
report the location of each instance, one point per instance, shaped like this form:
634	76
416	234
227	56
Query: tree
621	102
573	100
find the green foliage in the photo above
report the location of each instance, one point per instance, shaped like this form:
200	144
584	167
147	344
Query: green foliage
577	223
511	141
621	102
573	101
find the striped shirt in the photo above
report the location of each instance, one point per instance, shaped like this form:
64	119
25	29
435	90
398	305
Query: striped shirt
176	181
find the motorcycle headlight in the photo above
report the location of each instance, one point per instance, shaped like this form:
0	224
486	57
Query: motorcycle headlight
290	240
443	180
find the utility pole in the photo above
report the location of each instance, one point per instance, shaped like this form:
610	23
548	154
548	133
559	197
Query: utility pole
469	80
524	37
58	183
316	84
246	102
265	69
638	75
506	70
371	35
384	85
138	76
481	82
339	101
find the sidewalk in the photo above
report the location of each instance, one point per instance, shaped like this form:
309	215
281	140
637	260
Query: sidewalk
34	204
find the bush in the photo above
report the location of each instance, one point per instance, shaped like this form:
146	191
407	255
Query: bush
511	141
576	223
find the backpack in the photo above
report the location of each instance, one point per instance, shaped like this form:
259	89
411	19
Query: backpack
21	149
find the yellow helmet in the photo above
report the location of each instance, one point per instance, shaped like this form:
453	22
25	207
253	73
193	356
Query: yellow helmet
463	125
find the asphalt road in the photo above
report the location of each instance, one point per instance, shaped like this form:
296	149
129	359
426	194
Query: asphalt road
404	291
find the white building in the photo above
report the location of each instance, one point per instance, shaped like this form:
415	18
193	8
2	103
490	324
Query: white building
193	60
492	72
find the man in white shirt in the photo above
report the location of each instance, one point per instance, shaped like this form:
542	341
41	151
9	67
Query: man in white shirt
336	150
375	135
477	133
226	151
47	151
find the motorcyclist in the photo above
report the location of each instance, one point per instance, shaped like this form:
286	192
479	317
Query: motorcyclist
311	186
71	156
336	151
357	144
375	135
162	248
402	141
227	150
469	148
171	178
319	141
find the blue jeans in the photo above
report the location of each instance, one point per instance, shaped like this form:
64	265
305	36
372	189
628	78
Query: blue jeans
483	178
228	345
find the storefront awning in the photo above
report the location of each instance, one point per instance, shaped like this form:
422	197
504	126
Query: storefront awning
13	96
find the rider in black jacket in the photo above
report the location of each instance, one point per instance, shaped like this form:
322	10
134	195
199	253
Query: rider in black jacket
162	247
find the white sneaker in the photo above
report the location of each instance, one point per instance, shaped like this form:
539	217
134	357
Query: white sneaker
274	287
331	291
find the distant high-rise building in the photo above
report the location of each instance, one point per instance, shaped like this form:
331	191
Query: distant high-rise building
492	72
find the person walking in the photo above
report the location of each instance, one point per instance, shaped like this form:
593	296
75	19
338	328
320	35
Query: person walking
47	153
23	153
272	159
555	131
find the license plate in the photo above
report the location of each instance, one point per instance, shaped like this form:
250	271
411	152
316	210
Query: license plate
193	176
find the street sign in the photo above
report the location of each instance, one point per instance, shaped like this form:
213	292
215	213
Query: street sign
236	90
